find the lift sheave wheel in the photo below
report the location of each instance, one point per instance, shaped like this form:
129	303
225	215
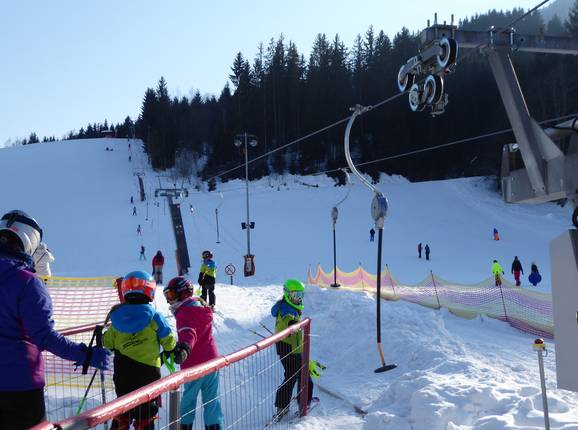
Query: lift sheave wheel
449	53
404	83
415	98
433	89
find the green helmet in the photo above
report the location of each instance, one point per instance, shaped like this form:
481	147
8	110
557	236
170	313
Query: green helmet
293	291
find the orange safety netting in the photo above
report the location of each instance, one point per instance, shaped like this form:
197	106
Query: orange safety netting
528	311
80	301
76	302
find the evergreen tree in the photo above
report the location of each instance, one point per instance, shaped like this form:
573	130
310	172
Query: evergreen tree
572	22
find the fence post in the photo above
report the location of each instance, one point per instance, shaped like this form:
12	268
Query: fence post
540	347
435	289
304	394
174	412
390	280
503	302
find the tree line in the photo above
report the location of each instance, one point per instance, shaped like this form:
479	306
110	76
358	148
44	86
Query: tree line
280	96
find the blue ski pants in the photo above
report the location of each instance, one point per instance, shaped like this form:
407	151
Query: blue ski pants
209	388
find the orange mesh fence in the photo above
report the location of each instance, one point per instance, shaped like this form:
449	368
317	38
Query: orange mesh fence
78	304
528	311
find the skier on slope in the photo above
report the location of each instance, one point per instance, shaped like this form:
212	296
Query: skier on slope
516	270
142	255
427	251
371	235
42	258
158	263
497	271
287	311
419	250
136	335
194	320
207	278
535	276
496	234
28	328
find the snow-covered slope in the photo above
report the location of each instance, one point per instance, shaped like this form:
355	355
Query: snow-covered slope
453	373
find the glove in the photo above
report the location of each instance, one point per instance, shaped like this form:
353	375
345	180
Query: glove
97	357
180	353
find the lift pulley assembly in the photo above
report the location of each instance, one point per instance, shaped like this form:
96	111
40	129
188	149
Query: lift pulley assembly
423	75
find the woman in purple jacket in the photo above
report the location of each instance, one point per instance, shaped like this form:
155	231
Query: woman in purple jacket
27	328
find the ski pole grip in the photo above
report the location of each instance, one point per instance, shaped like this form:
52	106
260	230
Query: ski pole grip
98	335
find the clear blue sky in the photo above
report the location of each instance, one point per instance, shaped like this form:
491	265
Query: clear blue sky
64	63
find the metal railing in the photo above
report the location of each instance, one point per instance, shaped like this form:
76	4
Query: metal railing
248	383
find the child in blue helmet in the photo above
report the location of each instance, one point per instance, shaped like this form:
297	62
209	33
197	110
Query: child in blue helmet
136	335
287	311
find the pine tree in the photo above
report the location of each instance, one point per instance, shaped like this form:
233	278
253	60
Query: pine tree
572	22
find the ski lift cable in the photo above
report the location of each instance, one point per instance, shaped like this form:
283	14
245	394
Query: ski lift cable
348	183
302	138
445	145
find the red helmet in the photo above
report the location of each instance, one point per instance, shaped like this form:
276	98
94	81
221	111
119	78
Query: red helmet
139	282
178	289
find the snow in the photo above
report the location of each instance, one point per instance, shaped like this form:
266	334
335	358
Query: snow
452	373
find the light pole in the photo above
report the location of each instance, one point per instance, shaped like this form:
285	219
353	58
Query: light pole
248	139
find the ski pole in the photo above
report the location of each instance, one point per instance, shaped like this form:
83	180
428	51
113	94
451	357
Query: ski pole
85	366
258	334
266	328
102	380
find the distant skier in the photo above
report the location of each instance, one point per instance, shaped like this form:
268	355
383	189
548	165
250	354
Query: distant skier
134	210
138	230
129	158
535	276
207	278
419	250
497	271
516	270
496	234
427	250
42	258
131	200
142	255
371	234
158	263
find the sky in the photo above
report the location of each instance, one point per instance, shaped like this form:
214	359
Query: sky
65	63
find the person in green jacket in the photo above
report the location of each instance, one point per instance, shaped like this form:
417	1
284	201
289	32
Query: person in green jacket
287	311
497	271
136	335
207	278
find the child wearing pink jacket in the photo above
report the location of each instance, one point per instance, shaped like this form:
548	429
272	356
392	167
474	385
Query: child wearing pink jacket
195	328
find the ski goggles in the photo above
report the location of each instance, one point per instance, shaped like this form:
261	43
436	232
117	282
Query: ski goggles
170	295
296	296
